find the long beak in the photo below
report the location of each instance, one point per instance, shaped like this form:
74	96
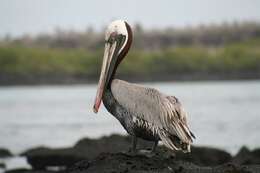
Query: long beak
106	72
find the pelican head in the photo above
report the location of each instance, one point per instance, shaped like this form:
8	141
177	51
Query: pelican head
118	39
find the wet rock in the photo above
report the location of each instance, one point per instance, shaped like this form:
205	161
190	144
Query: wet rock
247	157
205	156
20	170
256	156
24	170
126	163
243	156
122	162
233	168
110	144
5	153
2	165
42	158
110	154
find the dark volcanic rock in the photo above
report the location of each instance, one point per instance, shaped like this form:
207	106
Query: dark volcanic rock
121	162
22	170
2	165
246	157
256	155
243	156
110	154
5	153
111	144
42	158
125	163
205	156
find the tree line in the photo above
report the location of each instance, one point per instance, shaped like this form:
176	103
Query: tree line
227	51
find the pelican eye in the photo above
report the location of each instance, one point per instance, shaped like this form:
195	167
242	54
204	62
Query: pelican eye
111	40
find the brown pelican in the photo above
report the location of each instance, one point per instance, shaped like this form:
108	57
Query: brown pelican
143	112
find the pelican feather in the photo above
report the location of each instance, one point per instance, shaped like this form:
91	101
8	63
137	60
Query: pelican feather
163	115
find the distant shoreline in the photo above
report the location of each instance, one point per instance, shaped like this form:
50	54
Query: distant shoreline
13	80
224	52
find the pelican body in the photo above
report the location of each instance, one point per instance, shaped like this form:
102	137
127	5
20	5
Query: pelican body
143	112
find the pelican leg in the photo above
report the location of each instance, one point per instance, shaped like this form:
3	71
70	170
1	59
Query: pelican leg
154	146
134	142
149	153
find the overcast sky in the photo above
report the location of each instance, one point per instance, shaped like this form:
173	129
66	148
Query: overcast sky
18	17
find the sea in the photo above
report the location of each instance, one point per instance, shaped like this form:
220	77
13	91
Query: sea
222	114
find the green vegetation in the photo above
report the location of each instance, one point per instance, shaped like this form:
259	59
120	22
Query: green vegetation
233	58
22	62
37	61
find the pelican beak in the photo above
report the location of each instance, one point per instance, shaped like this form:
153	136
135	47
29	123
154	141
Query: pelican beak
109	62
108	54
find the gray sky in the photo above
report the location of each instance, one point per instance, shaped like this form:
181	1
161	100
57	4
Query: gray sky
18	17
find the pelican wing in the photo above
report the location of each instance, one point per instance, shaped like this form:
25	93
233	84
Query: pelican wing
162	113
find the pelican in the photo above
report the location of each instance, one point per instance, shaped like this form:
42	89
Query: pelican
143	112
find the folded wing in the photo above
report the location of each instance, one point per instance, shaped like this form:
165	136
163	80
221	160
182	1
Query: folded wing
164	113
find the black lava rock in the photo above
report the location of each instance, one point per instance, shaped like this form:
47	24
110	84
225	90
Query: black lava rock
110	154
2	165
41	158
247	157
205	156
5	153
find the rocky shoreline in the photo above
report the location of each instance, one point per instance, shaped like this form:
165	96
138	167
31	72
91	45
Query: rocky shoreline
110	154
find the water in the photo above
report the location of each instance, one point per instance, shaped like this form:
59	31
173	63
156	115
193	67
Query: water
225	114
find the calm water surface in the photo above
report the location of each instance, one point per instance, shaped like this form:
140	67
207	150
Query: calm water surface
224	114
